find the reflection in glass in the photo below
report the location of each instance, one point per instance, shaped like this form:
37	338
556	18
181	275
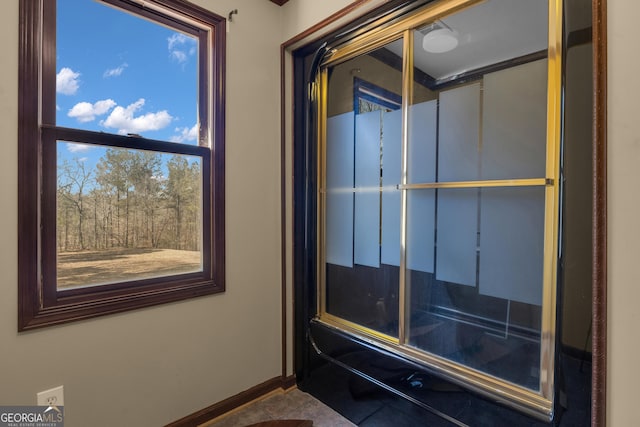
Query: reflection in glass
126	215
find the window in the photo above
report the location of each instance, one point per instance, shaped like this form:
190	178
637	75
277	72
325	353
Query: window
121	158
438	220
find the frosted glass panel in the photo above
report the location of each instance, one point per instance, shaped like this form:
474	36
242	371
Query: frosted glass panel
367	197
368	150
391	155
422	142
457	236
514	122
339	199
421	169
339	237
366	236
459	134
511	243
420	230
459	137
340	151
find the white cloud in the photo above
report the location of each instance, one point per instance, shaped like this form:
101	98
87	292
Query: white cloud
67	81
177	40
124	120
115	72
179	56
87	112
77	148
186	134
181	47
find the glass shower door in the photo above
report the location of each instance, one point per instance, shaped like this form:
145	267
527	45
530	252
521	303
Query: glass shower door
363	133
439	192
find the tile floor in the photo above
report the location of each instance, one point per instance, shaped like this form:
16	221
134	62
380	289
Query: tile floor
292	404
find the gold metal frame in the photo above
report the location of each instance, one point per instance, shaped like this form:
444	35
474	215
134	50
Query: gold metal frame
319	92
538	404
394	30
528	182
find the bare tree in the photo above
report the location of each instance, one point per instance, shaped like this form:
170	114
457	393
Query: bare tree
73	180
134	199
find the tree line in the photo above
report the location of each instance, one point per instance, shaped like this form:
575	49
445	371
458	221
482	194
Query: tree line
132	199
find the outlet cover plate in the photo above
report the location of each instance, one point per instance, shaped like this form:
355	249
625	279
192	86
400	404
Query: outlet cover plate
51	397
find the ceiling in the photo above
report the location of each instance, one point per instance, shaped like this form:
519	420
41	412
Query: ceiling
488	33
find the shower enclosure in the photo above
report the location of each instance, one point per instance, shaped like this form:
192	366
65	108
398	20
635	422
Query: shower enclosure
436	193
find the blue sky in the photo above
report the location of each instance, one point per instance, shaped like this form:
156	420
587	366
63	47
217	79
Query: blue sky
121	74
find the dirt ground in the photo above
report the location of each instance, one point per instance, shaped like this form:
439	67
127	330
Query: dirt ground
102	267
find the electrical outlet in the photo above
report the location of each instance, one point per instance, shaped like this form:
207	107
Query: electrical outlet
51	397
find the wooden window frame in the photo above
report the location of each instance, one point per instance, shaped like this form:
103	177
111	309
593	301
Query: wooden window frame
40	302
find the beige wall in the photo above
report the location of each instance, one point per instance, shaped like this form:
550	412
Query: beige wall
623	320
156	365
152	366
300	15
